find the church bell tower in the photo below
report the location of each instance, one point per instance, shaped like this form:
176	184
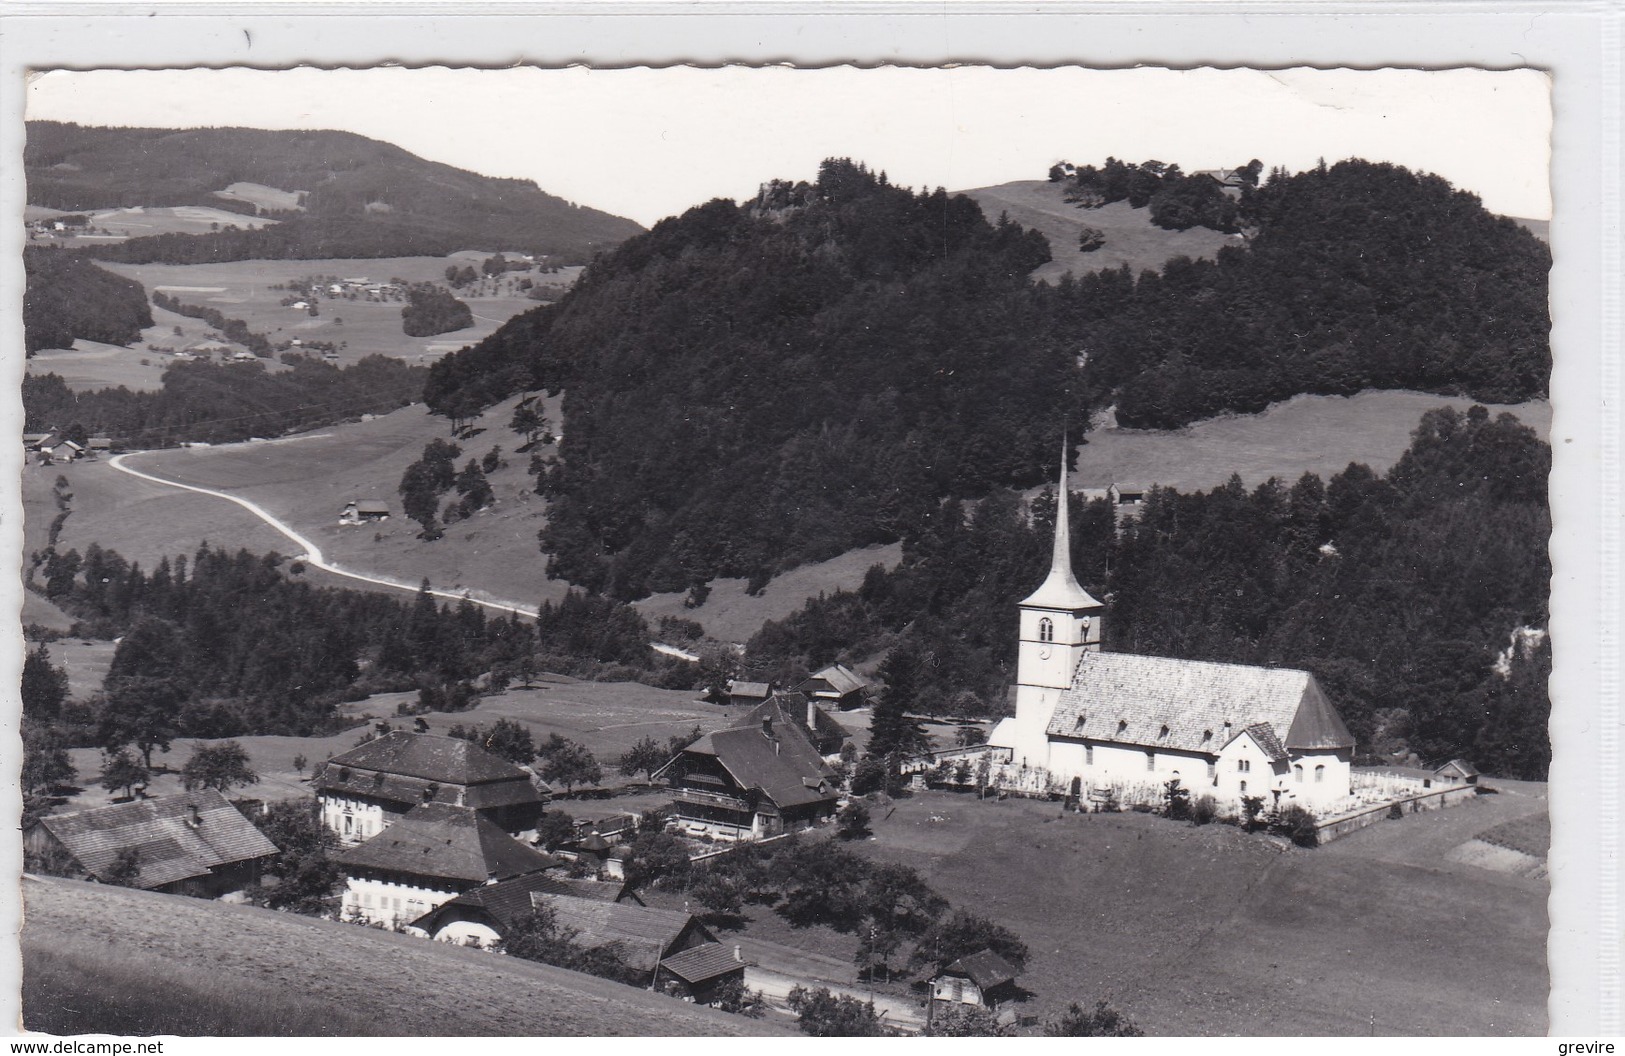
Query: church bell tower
1059	622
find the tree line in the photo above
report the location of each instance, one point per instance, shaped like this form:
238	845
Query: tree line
1400	592
225	402
234	330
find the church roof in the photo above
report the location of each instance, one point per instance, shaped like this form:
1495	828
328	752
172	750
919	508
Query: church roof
1186	705
1060	589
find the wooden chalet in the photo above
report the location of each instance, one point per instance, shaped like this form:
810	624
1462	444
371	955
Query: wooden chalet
370	786
647	937
364	511
836	686
982	978
749	782
193	843
429	856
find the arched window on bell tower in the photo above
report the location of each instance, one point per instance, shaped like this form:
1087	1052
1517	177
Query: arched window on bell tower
1046	630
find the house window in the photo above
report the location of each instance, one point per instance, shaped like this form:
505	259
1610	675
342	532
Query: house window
1046	630
1088	755
1320	774
1297	772
1244	766
1244	788
1150	760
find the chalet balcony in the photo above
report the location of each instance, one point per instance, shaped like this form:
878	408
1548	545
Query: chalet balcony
714	800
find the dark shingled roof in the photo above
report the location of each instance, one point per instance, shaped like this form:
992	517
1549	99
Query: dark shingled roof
701	963
1129	699
441	841
1264	734
758	690
644	933
171	848
780	765
984	968
791	708
401	766
450	760
509	901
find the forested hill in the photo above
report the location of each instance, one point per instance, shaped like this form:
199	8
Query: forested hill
1353	277
755	386
752	387
356	197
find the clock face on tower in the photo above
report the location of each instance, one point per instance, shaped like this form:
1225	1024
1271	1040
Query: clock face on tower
1043	652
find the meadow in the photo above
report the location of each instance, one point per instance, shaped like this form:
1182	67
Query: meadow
1204	931
91	954
1131	237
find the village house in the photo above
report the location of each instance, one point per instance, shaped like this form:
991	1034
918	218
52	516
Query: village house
1089	720
483	916
836	686
192	843
364	790
648	937
749	782
981	978
429	856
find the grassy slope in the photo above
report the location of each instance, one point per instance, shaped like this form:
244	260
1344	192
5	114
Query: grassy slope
1208	931
212	956
1317	434
1131	238
731	615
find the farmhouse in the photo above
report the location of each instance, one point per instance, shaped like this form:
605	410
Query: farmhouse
647	937
367	788
484	915
749	782
432	854
837	686
195	843
1087	719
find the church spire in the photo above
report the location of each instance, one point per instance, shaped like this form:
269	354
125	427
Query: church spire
1060	589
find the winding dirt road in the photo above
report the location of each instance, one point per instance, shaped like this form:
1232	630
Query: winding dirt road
310	553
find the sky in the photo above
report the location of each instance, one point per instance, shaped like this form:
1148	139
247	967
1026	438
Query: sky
648	143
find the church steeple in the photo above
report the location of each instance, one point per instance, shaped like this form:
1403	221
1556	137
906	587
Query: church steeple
1060	589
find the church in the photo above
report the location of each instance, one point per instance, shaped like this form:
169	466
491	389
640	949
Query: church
1090	719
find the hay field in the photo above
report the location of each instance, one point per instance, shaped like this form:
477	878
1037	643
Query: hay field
1204	931
91	955
1314	434
90	365
241	290
731	615
1131	238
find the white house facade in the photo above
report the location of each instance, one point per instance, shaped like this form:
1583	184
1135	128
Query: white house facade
1090	720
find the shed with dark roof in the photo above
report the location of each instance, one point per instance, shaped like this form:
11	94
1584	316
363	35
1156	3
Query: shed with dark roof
836	685
700	971
980	978
194	843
